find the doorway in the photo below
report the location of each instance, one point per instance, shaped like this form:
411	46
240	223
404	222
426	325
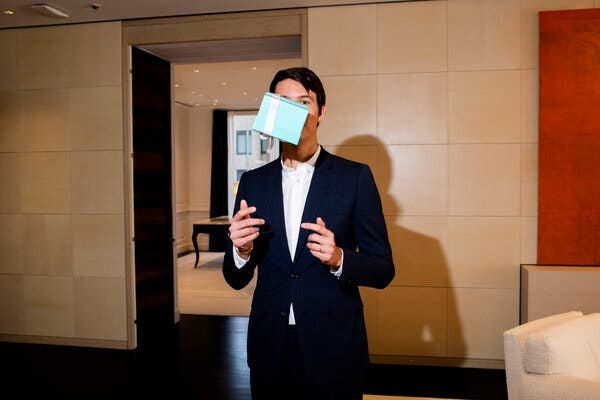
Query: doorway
200	86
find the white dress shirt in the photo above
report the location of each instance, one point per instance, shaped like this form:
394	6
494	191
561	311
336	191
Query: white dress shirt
295	183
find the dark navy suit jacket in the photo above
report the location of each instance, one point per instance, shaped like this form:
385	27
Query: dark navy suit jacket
328	310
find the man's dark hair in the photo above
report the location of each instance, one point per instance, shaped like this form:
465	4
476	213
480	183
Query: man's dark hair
306	78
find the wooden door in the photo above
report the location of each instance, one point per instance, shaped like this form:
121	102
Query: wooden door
152	192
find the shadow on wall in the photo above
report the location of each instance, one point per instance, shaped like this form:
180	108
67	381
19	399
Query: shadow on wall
420	317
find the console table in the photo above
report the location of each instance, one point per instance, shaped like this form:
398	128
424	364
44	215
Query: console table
218	225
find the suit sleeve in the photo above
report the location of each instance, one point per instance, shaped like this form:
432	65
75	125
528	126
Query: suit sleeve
236	277
371	264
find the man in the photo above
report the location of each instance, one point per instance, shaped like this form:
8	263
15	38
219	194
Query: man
311	223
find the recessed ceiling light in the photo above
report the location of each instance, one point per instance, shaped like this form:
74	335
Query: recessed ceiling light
223	83
9	12
244	93
196	70
193	92
177	85
253	68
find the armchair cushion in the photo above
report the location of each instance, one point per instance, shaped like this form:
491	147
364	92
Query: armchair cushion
569	348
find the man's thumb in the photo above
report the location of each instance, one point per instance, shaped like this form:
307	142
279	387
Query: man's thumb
320	221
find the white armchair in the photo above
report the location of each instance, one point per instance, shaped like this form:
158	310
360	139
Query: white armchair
556	357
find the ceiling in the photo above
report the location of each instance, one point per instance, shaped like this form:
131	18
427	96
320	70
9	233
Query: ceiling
111	10
232	74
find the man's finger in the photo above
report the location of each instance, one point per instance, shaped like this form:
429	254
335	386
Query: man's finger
243	212
320	229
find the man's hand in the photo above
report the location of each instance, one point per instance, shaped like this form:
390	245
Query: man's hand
244	229
322	244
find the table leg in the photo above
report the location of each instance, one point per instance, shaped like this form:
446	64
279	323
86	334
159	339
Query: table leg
195	242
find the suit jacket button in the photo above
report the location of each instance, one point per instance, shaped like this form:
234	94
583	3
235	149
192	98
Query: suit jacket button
284	313
293	275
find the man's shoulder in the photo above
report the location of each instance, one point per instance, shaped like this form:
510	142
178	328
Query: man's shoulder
270	167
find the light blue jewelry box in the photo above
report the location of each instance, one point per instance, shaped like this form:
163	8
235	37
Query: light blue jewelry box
280	118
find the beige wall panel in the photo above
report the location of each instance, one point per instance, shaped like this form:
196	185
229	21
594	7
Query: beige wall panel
45	120
99	246
529	240
413	321
484	35
48	304
44	58
485	179
419	248
383	176
96	118
529	105
484	107
412	108
481	316
554	289
45	183
100	308
530	24
10	198
11	247
342	40
11	305
529	180
47	245
362	154
8	61
181	139
418	184
351	111
95	54
97	181
200	156
10	122
597	3
484	252
412	37
370	298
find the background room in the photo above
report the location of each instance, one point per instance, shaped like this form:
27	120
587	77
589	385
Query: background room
230	77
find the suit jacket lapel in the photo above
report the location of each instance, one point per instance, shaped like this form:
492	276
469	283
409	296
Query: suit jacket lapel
316	192
277	220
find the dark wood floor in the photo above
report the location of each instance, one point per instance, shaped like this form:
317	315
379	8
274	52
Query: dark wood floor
204	357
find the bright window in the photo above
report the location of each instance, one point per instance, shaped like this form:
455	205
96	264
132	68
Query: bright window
247	149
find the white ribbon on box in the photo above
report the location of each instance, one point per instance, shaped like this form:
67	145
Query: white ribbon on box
271	115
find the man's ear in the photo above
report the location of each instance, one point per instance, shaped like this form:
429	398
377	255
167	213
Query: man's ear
322	114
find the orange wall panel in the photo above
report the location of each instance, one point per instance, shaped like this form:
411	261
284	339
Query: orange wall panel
569	143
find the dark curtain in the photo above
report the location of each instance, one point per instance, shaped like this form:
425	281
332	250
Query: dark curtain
218	181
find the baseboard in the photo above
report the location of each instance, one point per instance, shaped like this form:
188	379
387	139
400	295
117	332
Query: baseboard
437	361
63	341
